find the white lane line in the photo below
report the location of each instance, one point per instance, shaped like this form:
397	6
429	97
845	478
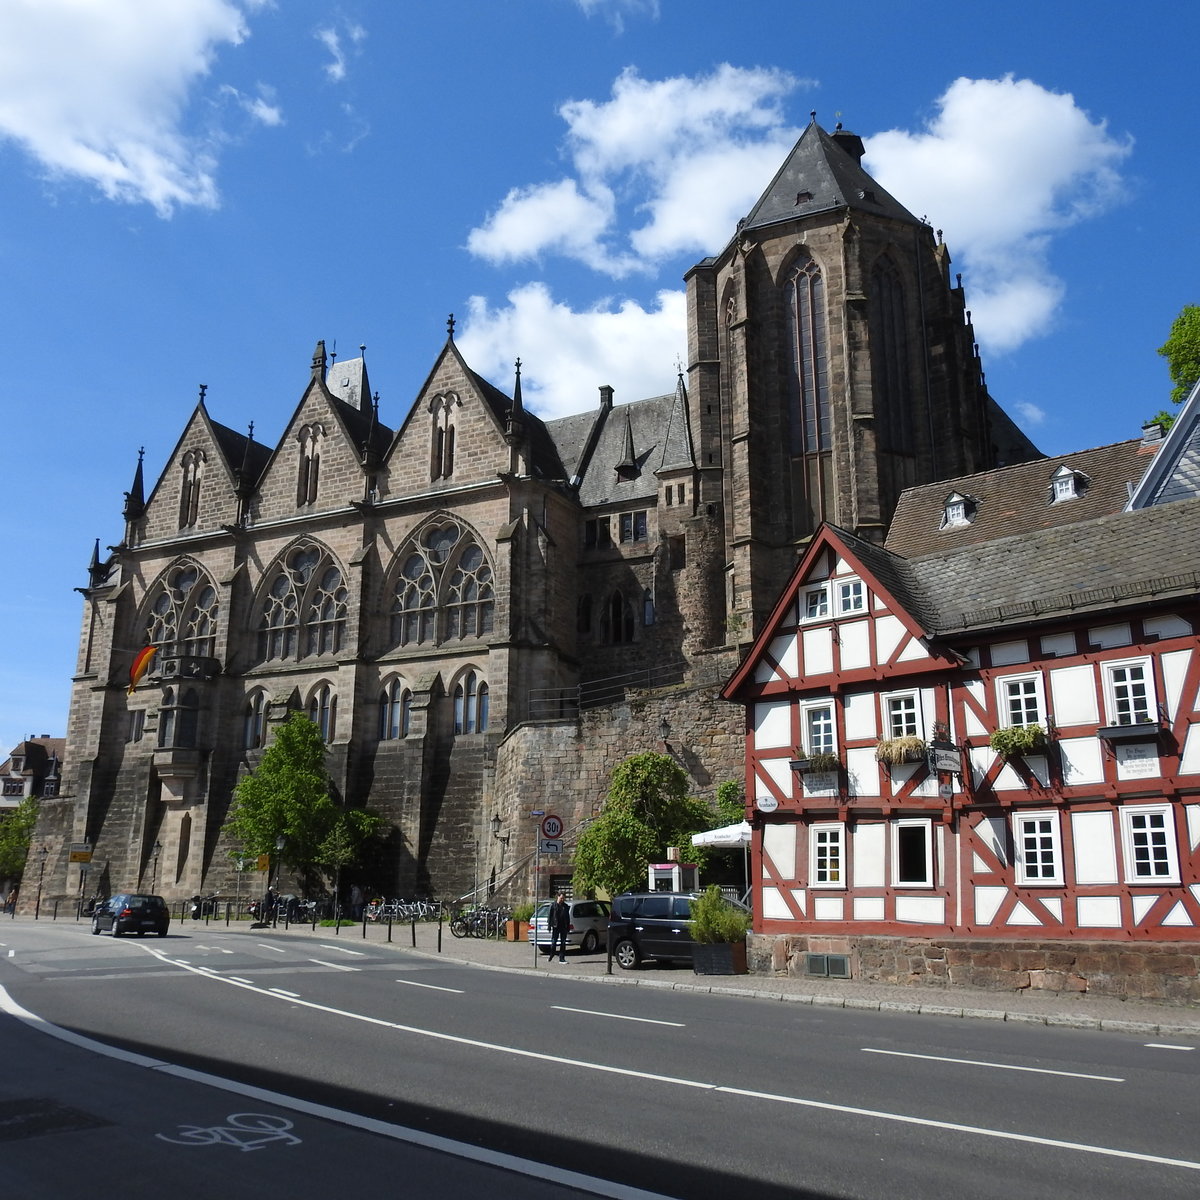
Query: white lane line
974	1062
699	1085
239	979
12	954
333	966
281	992
433	987
343	950
569	1180
590	1012
1166	1046
275	948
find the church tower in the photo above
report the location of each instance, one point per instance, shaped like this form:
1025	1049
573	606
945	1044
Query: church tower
831	365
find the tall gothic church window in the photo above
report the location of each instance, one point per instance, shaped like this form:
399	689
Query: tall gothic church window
322	711
254	727
442	445
889	359
413	610
304	607
471	705
808	359
395	711
469	601
616	620
179	720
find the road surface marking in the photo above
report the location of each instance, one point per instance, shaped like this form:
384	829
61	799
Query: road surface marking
239	979
281	992
275	948
590	1012
973	1062
1166	1046
586	1184
433	987
343	950
334	966
7	1004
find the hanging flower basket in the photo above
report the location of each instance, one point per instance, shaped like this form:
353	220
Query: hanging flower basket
901	750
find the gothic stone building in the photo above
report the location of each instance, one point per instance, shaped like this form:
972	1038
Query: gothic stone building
462	602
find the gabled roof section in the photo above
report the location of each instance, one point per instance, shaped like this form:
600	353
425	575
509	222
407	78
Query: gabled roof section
1017	499
886	575
1102	565
1175	472
677	443
822	173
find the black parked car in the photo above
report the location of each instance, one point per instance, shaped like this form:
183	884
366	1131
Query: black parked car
653	925
132	913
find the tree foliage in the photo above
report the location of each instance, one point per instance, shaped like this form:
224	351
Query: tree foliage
1182	351
647	810
731	802
16	831
289	797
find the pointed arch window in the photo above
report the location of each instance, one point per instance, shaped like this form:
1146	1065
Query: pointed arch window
889	359
395	711
183	613
322	711
254	724
442	445
192	465
414	607
179	719
616	621
304	607
471	704
469	601
808	359
308	477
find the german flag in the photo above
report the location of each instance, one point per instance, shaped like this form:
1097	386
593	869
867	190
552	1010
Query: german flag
141	664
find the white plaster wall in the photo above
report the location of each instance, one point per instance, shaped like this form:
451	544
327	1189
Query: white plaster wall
1108	636
1168	626
1093	835
1175	665
869	855
860	714
924	910
1073	694
1082	760
783	650
1058	645
888	632
772	724
779	845
856	647
863	771
1098	912
818	651
1004	654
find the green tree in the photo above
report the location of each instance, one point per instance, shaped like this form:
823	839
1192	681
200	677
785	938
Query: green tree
16	831
288	797
731	802
647	810
1182	352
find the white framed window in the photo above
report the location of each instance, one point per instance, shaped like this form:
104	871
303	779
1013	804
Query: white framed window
1129	692
814	603
818	728
902	715
826	856
1037	848
1148	838
851	596
1020	700
912	852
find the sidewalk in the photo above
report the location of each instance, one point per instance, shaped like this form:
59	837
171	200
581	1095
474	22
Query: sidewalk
1138	1017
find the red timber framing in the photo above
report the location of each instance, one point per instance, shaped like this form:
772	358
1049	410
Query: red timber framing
1094	834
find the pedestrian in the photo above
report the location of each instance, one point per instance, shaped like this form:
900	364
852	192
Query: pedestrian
560	926
356	902
10	904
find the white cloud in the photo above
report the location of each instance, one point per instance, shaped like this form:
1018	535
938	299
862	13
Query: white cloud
1002	166
614	11
331	39
96	90
568	355
692	153
260	108
1030	414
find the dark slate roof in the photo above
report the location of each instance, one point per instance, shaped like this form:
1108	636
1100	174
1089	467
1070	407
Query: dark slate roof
1016	499
234	447
819	175
545	462
1096	566
895	574
1175	473
660	442
348	381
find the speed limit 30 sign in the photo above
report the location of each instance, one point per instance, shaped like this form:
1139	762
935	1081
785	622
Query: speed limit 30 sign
552	826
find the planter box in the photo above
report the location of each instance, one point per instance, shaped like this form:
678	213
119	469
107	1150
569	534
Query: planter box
516	931
719	958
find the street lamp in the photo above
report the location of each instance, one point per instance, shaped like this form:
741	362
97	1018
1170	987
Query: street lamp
154	869
279	842
43	854
500	837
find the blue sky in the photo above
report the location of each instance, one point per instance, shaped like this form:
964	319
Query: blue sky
195	191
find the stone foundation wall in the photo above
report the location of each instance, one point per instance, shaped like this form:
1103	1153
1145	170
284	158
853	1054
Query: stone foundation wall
1168	973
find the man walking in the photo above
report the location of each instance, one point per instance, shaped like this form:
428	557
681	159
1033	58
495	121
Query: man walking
560	926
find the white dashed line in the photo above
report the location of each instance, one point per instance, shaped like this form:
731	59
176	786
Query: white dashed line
589	1012
433	987
972	1062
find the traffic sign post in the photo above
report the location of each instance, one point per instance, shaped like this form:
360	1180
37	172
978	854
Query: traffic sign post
550	845
552	826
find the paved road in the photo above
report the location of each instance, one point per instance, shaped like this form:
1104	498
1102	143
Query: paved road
680	1092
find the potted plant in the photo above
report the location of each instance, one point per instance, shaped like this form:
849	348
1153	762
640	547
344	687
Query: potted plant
817	763
1016	741
719	930
517	927
908	749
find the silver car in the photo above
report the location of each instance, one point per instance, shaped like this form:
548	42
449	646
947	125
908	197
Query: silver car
589	925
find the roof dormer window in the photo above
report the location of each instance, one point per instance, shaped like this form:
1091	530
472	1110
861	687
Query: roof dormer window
957	510
1067	484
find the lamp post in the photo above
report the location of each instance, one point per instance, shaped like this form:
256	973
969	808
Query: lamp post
279	844
664	731
43	854
154	869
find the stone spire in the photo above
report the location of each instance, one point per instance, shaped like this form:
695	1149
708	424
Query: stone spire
135	498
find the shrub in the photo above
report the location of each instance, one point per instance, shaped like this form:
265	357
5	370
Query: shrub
714	919
900	749
1017	740
523	912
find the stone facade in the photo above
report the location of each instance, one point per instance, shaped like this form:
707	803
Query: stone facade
484	610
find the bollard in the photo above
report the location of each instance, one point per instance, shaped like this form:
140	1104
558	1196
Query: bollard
55	917
439	931
364	921
228	906
414	932
389	927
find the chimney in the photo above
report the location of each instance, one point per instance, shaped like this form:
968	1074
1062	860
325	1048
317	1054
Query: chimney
1152	432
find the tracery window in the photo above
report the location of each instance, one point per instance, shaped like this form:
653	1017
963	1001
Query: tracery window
444	590
395	711
889	358
441	464
808	359
616	620
308	476
322	711
192	465
306	585
471	705
183	613
254	725
179	720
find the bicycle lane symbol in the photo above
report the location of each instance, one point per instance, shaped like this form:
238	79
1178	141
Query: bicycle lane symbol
246	1131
